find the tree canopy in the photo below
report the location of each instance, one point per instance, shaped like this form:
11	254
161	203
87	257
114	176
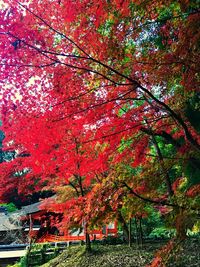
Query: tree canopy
102	99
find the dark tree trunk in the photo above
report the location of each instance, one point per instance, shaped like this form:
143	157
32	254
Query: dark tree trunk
136	230
124	226
140	232
130	232
87	242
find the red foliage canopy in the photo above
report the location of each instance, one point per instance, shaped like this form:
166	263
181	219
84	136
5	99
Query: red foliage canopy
89	87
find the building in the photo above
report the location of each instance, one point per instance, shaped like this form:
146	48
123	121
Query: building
39	225
35	223
10	228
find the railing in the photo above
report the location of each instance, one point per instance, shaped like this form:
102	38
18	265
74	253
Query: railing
94	235
68	238
56	238
112	231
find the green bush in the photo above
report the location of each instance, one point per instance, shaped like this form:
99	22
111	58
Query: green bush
21	263
112	240
162	233
9	206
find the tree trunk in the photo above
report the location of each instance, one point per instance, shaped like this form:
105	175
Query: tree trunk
124	226
162	164
181	225
140	232
130	231
87	242
136	229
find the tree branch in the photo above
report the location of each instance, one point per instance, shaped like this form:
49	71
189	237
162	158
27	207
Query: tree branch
159	202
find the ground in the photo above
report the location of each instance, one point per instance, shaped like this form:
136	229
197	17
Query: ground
104	256
124	256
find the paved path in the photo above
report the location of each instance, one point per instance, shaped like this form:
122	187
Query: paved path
12	254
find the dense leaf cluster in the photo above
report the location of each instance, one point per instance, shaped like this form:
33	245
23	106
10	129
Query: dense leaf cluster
100	102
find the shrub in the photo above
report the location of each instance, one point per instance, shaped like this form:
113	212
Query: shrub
112	240
162	233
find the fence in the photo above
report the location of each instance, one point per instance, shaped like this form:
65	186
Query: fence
43	254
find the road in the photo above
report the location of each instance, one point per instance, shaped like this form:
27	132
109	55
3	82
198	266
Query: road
12	254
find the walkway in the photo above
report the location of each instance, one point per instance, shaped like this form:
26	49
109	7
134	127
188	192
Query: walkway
12	254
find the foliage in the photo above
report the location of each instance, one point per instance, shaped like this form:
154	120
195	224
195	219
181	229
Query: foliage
21	263
100	103
112	240
161	233
10	207
178	254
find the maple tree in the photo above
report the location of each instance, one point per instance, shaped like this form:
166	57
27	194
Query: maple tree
118	79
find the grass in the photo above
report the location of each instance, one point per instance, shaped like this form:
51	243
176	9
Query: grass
102	255
124	256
